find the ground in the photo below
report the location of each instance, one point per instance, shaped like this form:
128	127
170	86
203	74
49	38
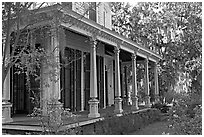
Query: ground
157	128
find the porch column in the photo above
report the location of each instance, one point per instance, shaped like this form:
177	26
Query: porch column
123	85
127	99
118	100
93	102
147	98
156	86
6	105
134	83
51	74
82	81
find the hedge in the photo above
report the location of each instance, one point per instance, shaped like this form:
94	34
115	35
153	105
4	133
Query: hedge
127	123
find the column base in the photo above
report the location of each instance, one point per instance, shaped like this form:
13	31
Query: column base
157	99
6	112
55	110
134	103
93	108
118	105
147	101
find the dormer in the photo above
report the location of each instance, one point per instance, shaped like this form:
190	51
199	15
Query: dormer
99	12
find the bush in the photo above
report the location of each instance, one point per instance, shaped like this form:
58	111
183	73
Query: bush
52	122
162	107
186	115
127	123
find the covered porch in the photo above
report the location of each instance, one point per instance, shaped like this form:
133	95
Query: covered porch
23	124
103	82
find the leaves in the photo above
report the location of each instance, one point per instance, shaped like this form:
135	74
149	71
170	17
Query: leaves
186	116
173	27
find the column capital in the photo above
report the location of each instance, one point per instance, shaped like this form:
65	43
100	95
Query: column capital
147	59
92	38
119	43
93	41
136	51
117	49
134	56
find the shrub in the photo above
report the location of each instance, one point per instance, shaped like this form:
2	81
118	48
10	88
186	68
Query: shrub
52	122
162	107
126	123
186	115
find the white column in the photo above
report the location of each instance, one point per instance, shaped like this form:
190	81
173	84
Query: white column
134	83
118	100
147	98
82	81
6	105
93	102
6	88
104	83
156	86
126	87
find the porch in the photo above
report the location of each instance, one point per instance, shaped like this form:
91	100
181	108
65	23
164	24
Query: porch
23	124
96	77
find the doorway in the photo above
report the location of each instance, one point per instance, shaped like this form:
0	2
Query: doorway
22	99
71	80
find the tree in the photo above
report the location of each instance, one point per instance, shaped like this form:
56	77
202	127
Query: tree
13	35
175	28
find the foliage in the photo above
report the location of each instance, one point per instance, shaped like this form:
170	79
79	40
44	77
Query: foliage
162	107
173	27
53	121
120	18
14	35
126	123
186	115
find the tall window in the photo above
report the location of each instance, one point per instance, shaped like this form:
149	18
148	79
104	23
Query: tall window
92	11
104	18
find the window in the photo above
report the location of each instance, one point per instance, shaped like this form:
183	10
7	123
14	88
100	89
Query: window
92	11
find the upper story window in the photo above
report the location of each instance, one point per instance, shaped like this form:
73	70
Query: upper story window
99	12
92	11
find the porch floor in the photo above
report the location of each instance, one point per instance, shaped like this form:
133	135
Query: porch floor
25	123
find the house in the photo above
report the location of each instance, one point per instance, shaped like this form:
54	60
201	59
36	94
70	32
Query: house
97	59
